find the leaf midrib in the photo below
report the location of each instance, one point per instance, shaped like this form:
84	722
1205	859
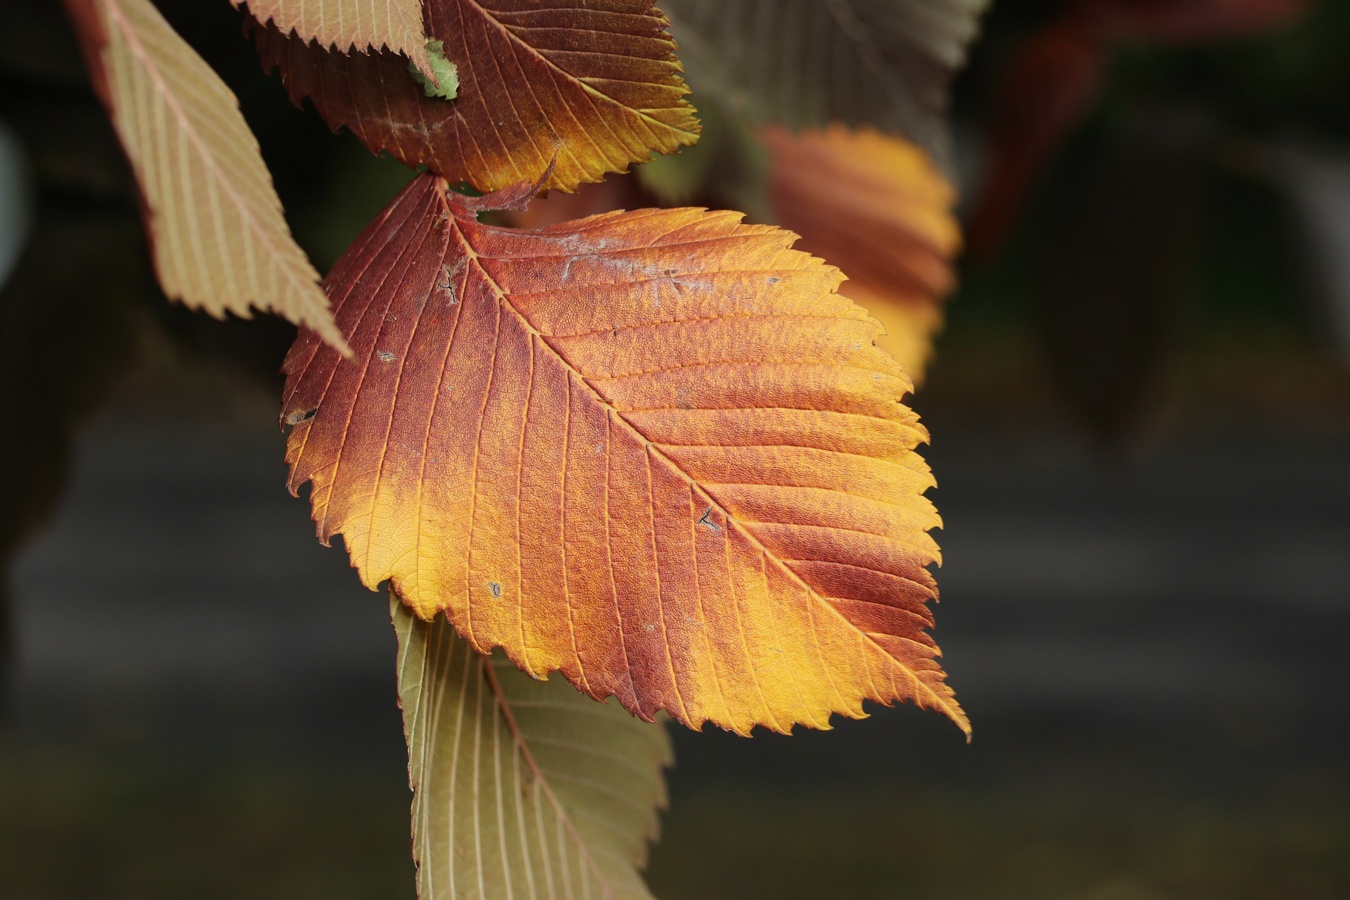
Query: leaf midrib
537	54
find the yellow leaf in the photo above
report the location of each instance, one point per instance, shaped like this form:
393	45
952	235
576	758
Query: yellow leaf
347	25
522	788
876	207
653	450
220	241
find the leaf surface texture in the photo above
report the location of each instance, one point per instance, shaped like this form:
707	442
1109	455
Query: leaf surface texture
807	63
653	450
347	25
220	241
587	87
522	788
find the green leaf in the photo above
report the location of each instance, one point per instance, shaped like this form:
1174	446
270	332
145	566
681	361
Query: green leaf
521	787
446	85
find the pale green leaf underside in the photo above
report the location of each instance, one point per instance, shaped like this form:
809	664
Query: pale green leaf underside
522	788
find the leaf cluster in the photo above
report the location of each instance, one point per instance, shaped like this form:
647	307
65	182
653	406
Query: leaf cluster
658	451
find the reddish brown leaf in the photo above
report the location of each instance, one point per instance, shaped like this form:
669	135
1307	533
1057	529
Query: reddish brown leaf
884	64
220	241
653	450
1176	21
588	87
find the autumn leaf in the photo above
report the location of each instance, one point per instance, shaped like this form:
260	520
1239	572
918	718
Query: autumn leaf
522	787
808	63
347	25
220	241
653	450
876	207
587	87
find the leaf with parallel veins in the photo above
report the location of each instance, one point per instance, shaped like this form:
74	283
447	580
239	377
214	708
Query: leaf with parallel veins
587	87
653	450
220	241
521	786
347	25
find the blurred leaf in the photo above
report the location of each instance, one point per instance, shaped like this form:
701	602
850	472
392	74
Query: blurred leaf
653	450
588	88
807	63
522	787
880	210
1169	21
614	193
1050	83
220	241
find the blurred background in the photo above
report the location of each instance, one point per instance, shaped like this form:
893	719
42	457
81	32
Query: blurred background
1141	415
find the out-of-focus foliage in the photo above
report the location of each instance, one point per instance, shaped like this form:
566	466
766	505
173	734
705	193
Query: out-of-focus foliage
566	93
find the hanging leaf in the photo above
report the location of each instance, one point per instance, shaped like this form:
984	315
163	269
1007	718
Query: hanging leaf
879	209
347	25
220	241
522	787
653	450
588	88
807	63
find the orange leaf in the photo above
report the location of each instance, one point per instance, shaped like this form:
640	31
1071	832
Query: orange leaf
220	241
653	450
347	25
880	210
590	87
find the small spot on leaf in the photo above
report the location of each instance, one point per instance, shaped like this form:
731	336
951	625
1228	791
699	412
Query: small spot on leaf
296	418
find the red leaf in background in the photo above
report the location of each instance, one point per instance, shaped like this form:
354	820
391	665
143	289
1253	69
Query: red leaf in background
585	87
1054	77
1051	81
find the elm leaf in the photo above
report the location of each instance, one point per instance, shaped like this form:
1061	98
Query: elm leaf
567	91
521	787
807	63
652	450
215	223
348	25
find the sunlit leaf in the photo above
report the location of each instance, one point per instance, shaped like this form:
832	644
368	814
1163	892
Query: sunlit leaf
653	450
347	25
807	63
876	207
220	241
589	87
522	788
